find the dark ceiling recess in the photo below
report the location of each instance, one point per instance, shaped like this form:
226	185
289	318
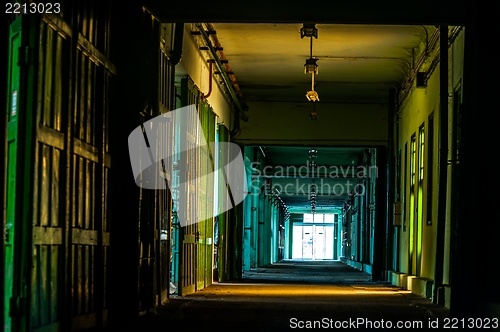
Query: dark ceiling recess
451	12
310	179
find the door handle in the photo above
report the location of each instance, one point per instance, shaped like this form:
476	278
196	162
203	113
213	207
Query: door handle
7	233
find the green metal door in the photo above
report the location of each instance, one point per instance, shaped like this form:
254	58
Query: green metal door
206	199
202	200
12	120
19	144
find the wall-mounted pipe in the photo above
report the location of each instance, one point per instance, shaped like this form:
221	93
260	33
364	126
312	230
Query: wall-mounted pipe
210	71
239	109
219	48
176	54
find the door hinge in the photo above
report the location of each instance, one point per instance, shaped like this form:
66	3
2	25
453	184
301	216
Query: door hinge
17	306
24	56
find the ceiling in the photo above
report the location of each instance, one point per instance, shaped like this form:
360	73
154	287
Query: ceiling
355	62
357	65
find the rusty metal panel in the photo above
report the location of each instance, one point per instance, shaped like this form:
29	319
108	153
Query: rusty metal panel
90	165
71	233
89	234
46	277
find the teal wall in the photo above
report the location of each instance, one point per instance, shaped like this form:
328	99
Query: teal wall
358	220
261	216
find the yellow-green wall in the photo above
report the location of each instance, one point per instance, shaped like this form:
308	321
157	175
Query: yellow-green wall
414	111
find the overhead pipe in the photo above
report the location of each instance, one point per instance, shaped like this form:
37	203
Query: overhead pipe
239	109
222	56
210	70
176	54
451	37
430	45
174	57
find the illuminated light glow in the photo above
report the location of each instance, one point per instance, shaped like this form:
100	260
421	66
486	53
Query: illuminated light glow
312	96
283	290
411	210
393	292
420	205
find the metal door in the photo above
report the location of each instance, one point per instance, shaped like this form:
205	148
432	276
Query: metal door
71	169
206	198
11	153
166	104
146	243
223	207
88	164
47	273
19	151
188	166
209	224
18	135
202	199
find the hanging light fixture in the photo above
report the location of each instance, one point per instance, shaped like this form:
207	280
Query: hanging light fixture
313	198
314	115
311	67
309	30
313	153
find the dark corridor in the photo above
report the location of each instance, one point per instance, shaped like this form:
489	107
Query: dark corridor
359	184
294	294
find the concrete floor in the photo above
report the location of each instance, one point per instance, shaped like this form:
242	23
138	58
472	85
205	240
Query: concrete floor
292	295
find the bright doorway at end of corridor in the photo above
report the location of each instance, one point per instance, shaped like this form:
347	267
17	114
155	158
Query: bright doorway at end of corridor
316	237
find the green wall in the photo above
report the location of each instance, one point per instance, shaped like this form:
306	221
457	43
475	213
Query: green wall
414	112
